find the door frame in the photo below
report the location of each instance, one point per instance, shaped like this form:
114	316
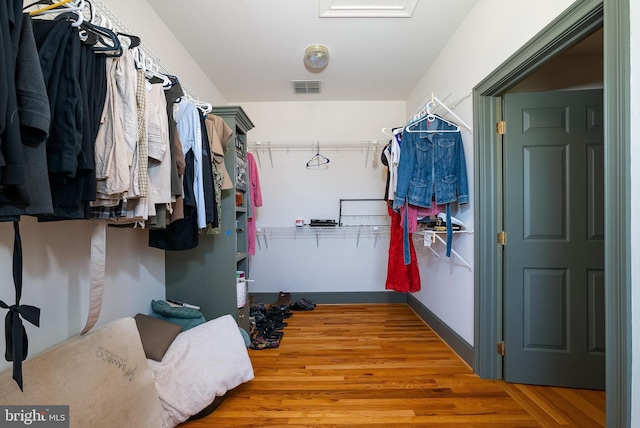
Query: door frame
578	20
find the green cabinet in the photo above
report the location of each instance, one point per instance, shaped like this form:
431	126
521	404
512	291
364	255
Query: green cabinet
206	275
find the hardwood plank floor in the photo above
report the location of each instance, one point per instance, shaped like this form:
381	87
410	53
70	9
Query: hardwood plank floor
381	365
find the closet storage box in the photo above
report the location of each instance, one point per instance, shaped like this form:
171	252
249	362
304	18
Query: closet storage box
206	275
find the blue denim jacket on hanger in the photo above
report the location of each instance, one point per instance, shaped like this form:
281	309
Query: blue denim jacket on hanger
432	165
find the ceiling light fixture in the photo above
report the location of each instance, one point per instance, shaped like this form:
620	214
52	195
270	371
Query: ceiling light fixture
316	57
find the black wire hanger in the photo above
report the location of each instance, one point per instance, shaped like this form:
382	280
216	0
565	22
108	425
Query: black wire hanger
317	160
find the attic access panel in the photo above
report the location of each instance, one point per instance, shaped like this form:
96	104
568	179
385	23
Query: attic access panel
366	8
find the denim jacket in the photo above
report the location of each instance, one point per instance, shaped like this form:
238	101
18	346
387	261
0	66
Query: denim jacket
431	164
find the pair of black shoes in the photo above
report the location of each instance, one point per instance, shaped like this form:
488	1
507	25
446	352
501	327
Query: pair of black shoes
303	304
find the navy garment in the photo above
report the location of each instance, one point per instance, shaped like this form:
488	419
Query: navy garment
34	196
12	163
75	77
181	234
211	207
59	49
13	176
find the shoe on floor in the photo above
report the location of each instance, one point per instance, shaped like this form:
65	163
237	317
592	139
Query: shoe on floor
303	305
284	299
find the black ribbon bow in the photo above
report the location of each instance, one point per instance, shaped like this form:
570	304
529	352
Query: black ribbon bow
14	331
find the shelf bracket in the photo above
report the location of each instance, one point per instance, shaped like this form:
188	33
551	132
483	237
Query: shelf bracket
454	252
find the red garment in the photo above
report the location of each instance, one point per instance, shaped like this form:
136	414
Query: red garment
401	277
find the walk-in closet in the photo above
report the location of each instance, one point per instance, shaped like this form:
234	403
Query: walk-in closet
318	213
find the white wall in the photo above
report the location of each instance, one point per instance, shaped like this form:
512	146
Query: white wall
290	190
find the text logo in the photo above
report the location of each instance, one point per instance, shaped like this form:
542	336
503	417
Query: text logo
34	416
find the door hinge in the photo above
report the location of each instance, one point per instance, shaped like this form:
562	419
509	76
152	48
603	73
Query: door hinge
501	348
502	238
501	127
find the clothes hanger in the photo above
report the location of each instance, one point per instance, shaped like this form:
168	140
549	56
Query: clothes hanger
134	41
101	36
388	131
152	70
431	117
107	41
47	9
201	105
65	9
317	160
139	58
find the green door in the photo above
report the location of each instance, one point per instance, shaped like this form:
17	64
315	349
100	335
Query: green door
554	255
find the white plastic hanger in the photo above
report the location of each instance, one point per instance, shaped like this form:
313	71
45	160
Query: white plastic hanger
64	6
427	110
388	131
430	117
152	70
203	106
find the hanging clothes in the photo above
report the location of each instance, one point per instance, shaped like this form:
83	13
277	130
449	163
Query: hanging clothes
190	132
219	135
33	119
181	234
24	187
401	277
173	95
112	161
71	72
159	156
432	167
255	200
211	207
12	161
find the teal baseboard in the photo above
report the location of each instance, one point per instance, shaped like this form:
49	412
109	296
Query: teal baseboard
336	298
450	337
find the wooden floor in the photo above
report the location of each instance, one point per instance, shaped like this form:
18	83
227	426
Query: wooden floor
381	365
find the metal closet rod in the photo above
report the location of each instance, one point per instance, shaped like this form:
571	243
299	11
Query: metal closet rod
320	233
262	146
312	145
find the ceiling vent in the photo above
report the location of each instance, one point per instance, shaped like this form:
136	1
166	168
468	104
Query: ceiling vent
306	86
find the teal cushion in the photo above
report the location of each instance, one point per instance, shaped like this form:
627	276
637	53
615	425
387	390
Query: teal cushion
245	336
163	308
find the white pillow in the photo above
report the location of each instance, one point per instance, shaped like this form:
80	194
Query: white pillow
203	362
